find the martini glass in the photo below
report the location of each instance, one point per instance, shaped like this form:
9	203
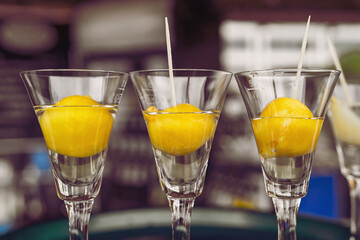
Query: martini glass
181	115
345	121
286	113
76	110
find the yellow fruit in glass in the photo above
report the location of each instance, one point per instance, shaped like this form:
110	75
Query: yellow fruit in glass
286	128
180	129
76	126
345	121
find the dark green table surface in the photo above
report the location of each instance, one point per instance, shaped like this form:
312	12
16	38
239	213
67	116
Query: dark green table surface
154	224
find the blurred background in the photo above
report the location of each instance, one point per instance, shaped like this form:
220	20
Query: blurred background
128	35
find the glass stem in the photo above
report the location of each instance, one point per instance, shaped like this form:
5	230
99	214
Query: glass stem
354	186
181	217
286	213
79	216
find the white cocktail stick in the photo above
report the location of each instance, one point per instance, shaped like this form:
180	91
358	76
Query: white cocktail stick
336	61
171	73
302	53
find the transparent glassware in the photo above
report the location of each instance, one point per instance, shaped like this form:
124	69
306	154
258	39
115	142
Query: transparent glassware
181	117
76	110
286	131
345	122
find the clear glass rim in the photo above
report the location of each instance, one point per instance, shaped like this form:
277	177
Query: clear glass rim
49	72
181	70
269	72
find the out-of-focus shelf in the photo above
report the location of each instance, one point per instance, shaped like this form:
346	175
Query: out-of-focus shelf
294	15
22	146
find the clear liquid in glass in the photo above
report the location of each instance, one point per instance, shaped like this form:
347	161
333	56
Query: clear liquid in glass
286	149
183	176
287	177
349	158
78	178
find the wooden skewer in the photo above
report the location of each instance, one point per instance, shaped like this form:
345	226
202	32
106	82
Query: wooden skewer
171	73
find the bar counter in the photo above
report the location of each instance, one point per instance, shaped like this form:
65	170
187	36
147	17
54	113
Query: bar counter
207	223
